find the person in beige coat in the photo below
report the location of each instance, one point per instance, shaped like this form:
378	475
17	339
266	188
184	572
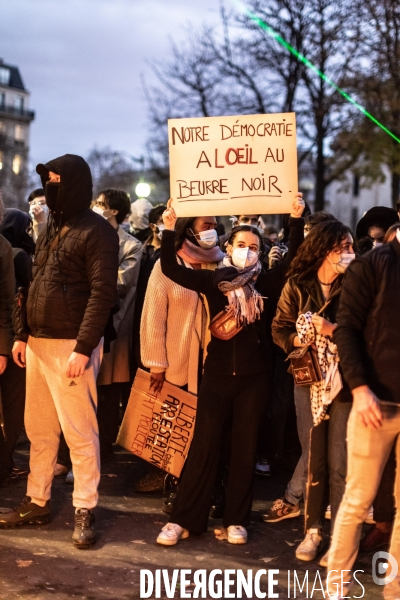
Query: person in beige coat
173	331
114	379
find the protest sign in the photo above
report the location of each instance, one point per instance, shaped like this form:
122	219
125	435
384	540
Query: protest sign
233	165
158	428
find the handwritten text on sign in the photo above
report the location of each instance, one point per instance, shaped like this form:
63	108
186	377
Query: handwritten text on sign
159	428
233	165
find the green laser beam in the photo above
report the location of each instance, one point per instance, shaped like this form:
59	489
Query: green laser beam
311	66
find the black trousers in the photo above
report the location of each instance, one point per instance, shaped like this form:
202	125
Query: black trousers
108	413
236	402
13	385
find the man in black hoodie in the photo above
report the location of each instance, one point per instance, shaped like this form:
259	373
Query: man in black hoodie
72	292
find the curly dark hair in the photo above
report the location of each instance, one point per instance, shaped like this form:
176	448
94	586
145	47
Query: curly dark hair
322	239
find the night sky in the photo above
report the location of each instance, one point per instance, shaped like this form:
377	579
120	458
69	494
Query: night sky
82	61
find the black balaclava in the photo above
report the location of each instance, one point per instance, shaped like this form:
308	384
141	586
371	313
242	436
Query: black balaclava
73	193
13	228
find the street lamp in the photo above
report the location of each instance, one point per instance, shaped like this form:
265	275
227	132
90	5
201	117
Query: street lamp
142	190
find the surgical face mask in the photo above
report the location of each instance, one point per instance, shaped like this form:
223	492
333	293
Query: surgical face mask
44	207
345	260
207	239
244	257
376	244
102	212
160	231
98	210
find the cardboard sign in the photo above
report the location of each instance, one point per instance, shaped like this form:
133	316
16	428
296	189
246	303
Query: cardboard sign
158	428
233	165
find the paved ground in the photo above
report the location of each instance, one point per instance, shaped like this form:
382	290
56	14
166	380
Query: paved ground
39	562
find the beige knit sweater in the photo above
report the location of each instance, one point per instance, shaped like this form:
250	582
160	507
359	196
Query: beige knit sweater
171	329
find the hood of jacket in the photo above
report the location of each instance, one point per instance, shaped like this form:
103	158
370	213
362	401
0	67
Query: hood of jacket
75	191
13	228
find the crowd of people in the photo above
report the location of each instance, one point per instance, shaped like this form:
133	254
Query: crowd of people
288	336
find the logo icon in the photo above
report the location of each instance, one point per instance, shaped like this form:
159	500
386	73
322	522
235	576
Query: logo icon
380	563
72	384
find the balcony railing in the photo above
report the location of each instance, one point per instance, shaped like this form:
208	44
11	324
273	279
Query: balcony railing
17	112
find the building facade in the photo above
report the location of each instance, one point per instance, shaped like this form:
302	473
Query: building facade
350	198
15	120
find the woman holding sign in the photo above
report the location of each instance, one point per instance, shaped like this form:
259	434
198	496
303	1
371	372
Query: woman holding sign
233	388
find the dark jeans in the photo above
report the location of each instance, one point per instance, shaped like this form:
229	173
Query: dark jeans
332	454
296	489
337	454
238	400
12	385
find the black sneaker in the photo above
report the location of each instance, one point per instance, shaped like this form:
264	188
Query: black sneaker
152	482
84	534
281	509
26	513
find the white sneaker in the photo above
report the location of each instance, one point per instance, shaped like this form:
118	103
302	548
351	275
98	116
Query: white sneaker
370	517
308	549
171	534
324	560
237	534
263	467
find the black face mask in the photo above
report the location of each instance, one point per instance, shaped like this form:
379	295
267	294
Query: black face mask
51	192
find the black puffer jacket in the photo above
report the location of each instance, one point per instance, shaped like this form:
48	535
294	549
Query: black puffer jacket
74	280
368	331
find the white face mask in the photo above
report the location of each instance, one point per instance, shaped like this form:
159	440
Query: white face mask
160	230
98	210
376	244
44	208
207	239
102	212
341	266
244	257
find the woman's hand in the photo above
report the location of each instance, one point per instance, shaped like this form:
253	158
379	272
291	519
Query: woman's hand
169	216
323	326
40	215
298	206
157	381
274	256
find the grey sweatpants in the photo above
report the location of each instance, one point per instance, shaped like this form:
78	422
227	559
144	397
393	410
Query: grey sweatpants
55	403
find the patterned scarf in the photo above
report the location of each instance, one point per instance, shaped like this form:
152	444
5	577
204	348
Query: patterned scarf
244	300
323	392
193	254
